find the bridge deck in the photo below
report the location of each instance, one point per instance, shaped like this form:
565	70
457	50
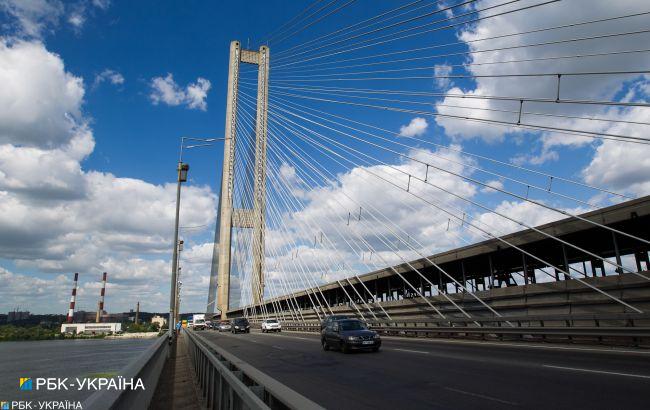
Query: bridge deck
430	374
176	388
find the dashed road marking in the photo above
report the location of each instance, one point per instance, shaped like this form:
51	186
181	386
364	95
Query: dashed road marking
575	369
482	396
410	351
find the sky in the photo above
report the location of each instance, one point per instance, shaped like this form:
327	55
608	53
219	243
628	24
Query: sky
98	94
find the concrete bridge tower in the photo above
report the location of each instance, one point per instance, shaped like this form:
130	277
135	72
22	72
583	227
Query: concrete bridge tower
228	216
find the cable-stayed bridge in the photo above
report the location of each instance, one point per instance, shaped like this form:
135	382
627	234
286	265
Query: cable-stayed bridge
318	193
373	167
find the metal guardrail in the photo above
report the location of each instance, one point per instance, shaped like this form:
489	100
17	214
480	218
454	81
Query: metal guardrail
590	326
227	382
147	367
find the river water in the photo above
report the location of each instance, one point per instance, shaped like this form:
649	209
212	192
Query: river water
63	358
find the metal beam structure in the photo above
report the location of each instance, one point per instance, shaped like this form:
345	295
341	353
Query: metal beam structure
228	216
489	266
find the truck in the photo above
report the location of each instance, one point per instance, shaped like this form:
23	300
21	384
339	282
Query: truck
198	321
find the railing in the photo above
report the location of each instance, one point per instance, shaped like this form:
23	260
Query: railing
611	326
227	382
146	367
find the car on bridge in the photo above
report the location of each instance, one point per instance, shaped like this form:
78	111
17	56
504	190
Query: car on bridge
224	326
330	319
349	334
271	325
240	325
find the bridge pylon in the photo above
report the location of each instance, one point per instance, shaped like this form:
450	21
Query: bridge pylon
228	216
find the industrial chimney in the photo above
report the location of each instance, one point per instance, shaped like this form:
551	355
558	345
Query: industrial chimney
73	298
100	305
137	313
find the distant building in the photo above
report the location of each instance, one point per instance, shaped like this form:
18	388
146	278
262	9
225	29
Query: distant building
82	316
113	317
16	316
160	320
91	328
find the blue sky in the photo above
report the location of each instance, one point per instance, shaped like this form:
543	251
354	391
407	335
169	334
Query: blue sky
118	83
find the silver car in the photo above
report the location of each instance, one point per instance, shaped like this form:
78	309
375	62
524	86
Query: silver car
224	326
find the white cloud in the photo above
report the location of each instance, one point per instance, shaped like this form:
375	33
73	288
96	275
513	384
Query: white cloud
112	76
291	236
440	71
196	94
415	128
536	159
32	17
622	166
166	90
522	211
494	184
578	87
57	217
102	4
77	20
28	291
41	101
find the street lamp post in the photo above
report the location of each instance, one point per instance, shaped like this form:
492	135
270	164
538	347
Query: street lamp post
182	177
177	313
182	169
179	284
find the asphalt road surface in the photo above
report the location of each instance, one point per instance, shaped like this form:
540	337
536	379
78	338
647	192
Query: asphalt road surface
440	374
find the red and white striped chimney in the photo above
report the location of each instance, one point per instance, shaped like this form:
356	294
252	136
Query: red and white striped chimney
73	298
100	306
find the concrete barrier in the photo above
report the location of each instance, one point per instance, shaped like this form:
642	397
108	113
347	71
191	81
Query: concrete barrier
146	367
227	382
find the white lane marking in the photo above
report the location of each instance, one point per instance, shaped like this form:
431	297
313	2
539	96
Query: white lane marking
518	345
482	396
575	369
410	351
290	337
278	347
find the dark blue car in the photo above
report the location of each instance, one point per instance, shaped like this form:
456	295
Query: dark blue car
349	334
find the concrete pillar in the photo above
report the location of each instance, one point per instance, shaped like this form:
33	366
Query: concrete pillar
491	272
618	254
566	263
462	269
227	182
259	191
242	218
641	256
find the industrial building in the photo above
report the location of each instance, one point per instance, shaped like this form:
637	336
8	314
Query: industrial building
16	315
91	328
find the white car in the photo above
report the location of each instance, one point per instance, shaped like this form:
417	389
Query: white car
271	325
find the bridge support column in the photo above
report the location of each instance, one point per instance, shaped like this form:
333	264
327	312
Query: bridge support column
259	192
491	272
641	257
224	219
228	217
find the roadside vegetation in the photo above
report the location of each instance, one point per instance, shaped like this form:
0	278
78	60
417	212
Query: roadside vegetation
37	332
142	327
